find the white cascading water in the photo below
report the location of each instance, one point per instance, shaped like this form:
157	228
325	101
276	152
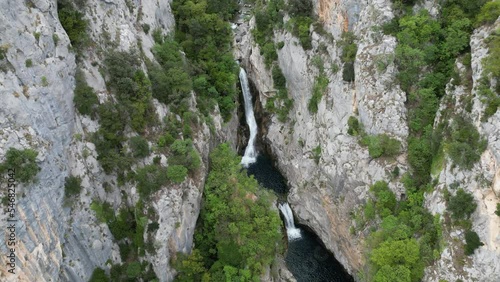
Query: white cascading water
250	153
292	232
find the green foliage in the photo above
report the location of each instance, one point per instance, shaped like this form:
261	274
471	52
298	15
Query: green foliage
171	80
280	103
206	40
466	144
402	256
146	27
239	233
184	154
150	179
349	50
316	154
29	63
300	29
22	163
491	63
133	269
462	205
177	173
381	145
85	98
72	186
385	200
267	19
98	275
139	147
73	22
320	86
300	8
354	127
132	88
489	13
472	242
103	210
497	211
190	267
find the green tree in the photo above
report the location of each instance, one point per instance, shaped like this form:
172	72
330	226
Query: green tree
462	205
472	242
85	98
489	13
133	269
22	163
177	173
190	267
72	186
139	147
99	276
396	273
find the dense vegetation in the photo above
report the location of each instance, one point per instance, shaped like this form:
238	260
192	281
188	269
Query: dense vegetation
22	163
238	233
407	238
206	40
73	22
395	252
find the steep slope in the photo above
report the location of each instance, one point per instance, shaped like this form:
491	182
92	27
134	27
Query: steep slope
57	240
328	170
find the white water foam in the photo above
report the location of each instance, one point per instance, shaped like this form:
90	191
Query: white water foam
250	155
292	232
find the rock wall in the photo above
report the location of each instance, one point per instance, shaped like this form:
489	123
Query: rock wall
481	181
323	195
56	241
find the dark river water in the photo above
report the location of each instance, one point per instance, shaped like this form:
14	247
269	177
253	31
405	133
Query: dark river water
306	257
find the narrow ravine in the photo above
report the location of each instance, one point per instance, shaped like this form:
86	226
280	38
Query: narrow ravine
306	257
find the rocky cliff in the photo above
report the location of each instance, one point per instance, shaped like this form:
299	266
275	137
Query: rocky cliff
56	241
326	188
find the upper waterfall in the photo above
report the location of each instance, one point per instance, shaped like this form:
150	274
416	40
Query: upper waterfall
250	153
292	232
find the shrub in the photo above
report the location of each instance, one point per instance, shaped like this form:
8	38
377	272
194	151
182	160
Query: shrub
85	98
353	126
22	163
73	22
99	275
316	154
133	269
489	13
177	173
381	145
462	205
103	210
385	199
145	28
72	186
466	144
320	86
150	179
139	147
29	63
472	242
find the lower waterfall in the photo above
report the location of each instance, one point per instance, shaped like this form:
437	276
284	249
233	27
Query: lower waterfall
292	232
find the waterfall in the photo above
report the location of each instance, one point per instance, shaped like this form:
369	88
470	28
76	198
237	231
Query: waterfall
292	232
250	153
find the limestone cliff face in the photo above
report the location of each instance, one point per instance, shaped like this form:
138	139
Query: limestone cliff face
57	242
482	181
323	195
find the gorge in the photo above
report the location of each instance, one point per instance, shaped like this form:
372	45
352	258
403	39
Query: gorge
374	134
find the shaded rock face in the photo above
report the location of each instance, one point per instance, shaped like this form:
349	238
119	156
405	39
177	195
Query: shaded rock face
56	241
324	194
